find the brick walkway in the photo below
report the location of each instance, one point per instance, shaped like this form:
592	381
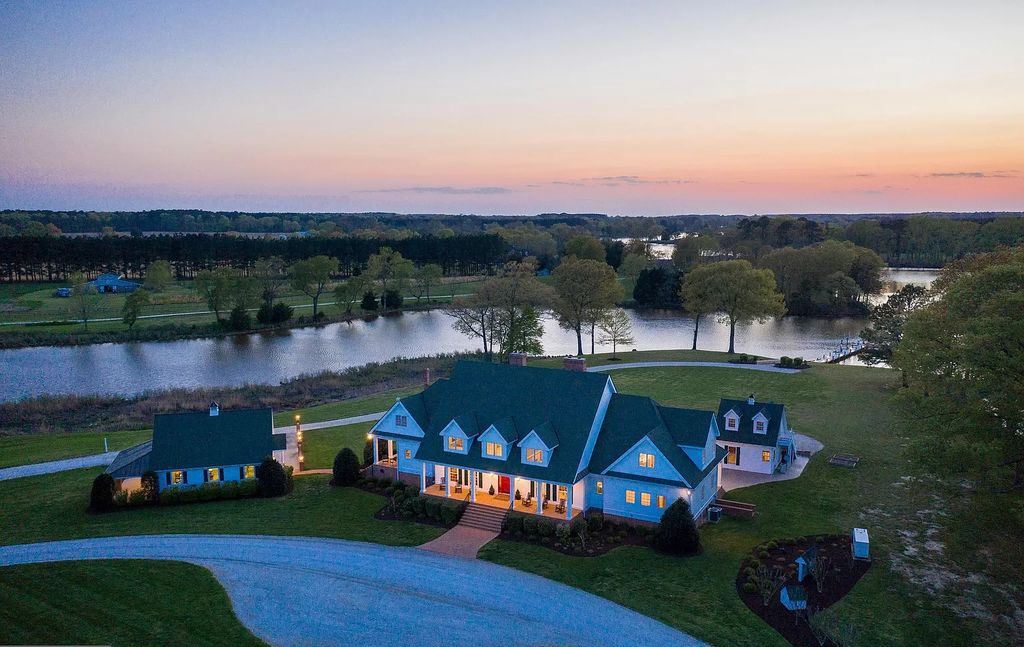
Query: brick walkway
460	541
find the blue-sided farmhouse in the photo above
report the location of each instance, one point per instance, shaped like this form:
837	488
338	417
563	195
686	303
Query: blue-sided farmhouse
562	442
194	448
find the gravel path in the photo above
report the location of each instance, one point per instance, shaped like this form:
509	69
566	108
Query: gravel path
750	367
305	591
50	467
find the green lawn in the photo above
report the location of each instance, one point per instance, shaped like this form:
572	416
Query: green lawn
343	408
50	507
629	357
320	446
116	602
848	409
22	450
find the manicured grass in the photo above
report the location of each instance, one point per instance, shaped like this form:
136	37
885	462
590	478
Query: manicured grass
116	602
39	448
630	357
50	507
320	446
343	408
848	409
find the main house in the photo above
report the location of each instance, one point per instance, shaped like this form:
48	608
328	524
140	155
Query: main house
549	442
756	436
194	448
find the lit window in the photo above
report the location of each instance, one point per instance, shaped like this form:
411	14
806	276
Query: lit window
176	477
401	421
534	456
630	496
646	460
645	498
495	449
213	474
759	426
731	423
661	501
250	472
454	443
600	487
408	453
766	455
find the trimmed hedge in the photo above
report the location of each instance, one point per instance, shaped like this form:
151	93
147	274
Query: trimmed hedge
210	492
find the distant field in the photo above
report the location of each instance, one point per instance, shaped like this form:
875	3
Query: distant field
39	448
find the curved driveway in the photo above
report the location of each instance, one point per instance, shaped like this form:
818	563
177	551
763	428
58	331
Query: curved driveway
305	591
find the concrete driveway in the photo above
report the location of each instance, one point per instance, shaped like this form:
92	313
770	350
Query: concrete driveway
305	591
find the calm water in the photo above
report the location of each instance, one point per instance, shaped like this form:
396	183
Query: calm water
270	358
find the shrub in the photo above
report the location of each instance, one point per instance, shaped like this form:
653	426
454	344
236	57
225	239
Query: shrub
785	361
369	302
677	533
272	478
149	487
368	453
239	319
596	521
229	490
576	525
392	300
545	528
563	533
346	468
189	495
490	490
450	514
209	491
265	314
137	498
432	509
798	361
281	312
120	498
101	498
248	488
530	526
419	505
772	545
170	496
749	587
763	555
513	524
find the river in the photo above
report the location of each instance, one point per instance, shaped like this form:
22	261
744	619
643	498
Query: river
129	368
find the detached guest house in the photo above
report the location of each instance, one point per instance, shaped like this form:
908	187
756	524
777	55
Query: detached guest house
755	436
195	448
549	442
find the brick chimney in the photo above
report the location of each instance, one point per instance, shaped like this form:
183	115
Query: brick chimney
517	359
426	377
577	364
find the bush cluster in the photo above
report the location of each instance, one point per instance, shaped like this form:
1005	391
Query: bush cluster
273	478
791	362
346	468
676	532
275	314
209	492
406	501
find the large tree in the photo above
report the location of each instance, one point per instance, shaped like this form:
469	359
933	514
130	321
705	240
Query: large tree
159	275
963	355
310	276
887	322
517	296
84	299
690	251
132	307
695	298
583	247
476	316
426	277
348	292
616	329
390	269
216	287
741	293
271	275
583	287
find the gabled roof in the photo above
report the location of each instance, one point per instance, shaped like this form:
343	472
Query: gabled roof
184	440
745	434
546	434
131	462
506	428
525	397
631	417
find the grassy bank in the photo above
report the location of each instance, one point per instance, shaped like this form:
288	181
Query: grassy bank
48	507
320	446
116	602
22	450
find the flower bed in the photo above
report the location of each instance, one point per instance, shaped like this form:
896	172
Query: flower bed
583	537
405	502
772	566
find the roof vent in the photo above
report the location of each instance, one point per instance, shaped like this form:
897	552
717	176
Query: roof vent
750	399
214	409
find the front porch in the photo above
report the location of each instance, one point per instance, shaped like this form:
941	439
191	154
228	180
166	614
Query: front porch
474	486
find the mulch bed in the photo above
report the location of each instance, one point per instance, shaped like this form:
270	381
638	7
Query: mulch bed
599	542
846	572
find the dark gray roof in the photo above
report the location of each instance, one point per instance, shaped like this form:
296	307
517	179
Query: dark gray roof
481	394
745	434
237	437
131	462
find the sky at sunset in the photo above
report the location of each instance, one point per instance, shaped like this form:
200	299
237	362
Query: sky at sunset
513	107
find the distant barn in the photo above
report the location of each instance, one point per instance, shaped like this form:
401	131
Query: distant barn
113	284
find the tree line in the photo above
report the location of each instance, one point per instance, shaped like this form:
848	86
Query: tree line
52	258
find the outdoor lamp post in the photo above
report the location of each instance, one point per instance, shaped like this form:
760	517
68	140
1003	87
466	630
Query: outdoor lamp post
298	441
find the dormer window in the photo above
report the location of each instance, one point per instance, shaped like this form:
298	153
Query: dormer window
732	424
759	426
455	443
401	421
646	460
534	455
494	449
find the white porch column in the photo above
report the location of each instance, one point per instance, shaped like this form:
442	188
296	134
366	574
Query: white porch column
511	490
391	449
423	478
376	449
472	486
568	502
538	496
447	481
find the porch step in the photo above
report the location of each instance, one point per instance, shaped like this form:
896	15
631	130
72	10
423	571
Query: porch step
484	517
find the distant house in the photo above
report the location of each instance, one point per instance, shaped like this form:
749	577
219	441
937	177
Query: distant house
62	292
755	435
549	442
113	284
190	449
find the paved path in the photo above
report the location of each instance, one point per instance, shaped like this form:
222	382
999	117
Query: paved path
735	479
96	460
50	467
460	541
767	368
305	591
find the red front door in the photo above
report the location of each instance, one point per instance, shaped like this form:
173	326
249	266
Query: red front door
504	485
